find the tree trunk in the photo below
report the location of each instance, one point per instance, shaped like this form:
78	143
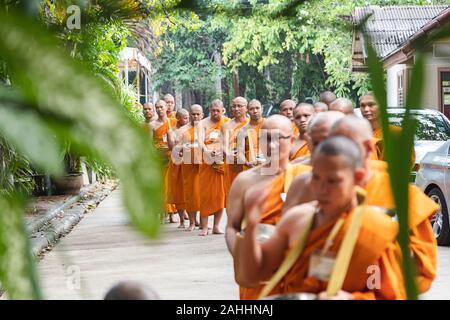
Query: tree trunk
289	71
218	81
236	83
178	98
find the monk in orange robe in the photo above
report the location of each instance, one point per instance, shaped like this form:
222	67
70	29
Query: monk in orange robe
248	137
302	115
175	192
148	110
287	110
271	213
320	229
160	128
379	193
265	175
370	111
170	102
212	199
191	165
229	133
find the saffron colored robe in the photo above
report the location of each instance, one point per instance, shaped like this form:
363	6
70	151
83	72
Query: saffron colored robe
271	215
421	208
300	152
376	247
191	178
160	141
232	170
212	197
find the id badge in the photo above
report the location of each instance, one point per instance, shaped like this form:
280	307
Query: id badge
214	135
283	196
164	138
321	266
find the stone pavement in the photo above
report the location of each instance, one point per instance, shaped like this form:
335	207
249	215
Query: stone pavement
103	249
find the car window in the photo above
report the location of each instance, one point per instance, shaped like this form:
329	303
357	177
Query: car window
430	126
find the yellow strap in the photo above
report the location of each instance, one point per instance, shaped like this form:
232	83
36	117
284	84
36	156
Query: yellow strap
288	262
343	259
251	146
345	253
288	177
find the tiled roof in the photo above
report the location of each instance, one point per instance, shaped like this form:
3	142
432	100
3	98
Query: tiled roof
389	27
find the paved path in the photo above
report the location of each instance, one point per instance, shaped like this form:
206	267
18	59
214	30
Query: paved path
104	250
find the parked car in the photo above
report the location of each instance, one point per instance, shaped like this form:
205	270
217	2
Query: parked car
433	130
433	178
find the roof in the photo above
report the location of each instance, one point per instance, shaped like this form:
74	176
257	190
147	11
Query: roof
389	27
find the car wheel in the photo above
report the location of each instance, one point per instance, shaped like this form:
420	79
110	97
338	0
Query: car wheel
440	221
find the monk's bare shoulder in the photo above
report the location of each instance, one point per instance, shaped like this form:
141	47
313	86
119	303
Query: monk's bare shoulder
295	220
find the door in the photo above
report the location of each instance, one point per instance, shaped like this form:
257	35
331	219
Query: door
444	94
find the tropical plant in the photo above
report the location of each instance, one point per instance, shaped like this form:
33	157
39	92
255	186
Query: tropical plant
66	104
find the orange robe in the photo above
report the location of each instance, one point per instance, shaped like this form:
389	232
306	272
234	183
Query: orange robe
212	199
375	246
421	208
232	170
254	134
191	181
271	215
295	130
175	185
172	115
160	141
378	134
301	152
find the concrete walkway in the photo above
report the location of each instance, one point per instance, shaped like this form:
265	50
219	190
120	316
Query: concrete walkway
103	250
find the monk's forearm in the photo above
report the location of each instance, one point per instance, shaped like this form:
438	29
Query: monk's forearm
230	237
251	257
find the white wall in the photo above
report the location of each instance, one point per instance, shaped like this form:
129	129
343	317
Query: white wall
431	77
391	84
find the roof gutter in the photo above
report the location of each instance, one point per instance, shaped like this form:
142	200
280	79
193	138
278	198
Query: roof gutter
406	51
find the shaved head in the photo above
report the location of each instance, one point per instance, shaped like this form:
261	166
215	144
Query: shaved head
130	290
216	103
196	107
182	113
280	122
343	147
327	97
240	100
357	129
160	103
343	105
255	102
353	128
320	107
304	105
196	113
277	137
319	127
287	108
303	113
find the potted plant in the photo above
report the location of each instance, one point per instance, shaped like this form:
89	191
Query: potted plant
72	181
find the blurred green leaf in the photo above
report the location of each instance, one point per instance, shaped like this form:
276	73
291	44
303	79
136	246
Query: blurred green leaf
17	266
30	135
398	147
88	114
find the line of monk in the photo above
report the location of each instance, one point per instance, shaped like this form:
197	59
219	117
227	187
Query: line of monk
307	196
